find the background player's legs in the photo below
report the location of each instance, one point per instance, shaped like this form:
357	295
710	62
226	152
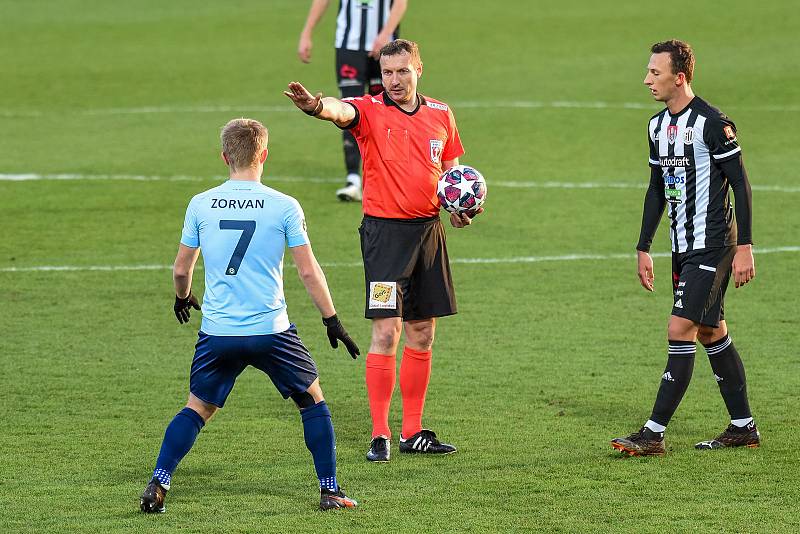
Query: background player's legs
373	78
179	437
415	372
352	156
682	334
381	372
351	77
318	433
728	371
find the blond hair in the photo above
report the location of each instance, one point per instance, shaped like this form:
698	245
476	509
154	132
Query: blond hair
243	141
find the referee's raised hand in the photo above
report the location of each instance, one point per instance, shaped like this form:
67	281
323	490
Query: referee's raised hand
301	98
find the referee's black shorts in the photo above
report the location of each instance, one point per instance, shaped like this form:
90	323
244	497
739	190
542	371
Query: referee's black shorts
406	269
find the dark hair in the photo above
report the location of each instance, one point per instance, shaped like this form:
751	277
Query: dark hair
398	46
680	54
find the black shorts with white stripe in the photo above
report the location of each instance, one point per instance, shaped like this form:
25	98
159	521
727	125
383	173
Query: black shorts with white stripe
699	280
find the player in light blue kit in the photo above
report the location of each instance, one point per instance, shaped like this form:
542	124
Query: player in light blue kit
242	228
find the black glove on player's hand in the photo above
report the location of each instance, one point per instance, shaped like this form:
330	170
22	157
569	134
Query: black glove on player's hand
336	333
182	307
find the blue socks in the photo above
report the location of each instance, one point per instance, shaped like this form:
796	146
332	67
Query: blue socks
182	432
178	440
321	441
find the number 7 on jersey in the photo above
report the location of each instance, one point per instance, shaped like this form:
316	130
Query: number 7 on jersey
247	228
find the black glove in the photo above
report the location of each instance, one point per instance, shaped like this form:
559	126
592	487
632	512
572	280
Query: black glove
337	332
182	307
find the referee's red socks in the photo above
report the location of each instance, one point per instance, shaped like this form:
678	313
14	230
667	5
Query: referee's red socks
380	385
415	373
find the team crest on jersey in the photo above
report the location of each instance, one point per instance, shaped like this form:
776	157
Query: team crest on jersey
436	150
672	133
729	133
688	136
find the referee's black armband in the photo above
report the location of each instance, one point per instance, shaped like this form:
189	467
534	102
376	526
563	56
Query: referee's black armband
355	120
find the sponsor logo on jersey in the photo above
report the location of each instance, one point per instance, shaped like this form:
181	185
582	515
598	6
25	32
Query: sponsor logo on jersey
729	133
668	377
679	303
672	133
675	161
717	377
672	180
688	136
436	150
673	195
382	295
436	105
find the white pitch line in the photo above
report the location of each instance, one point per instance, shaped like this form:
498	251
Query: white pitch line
463	261
511	104
27	177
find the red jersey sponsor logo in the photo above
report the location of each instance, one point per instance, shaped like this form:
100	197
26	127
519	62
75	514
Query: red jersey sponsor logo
436	105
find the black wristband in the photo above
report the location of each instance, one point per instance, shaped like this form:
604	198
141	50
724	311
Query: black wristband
316	111
330	321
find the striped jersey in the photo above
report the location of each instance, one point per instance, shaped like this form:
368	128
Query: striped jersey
360	21
688	148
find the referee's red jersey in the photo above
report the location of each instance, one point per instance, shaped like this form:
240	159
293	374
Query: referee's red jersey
402	154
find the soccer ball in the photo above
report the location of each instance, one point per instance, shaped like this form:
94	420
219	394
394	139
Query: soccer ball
461	189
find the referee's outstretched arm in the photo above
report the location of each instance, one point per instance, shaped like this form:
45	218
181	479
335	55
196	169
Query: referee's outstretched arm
327	108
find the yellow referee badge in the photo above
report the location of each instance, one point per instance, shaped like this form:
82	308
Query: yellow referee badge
383	295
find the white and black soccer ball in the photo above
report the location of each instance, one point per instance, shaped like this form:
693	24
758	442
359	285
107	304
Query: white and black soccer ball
461	189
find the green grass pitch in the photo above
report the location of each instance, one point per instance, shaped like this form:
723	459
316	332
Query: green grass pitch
551	355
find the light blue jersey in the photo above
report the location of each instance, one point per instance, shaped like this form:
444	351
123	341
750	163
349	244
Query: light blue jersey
242	229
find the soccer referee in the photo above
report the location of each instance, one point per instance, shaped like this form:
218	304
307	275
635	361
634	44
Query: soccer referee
406	140
695	159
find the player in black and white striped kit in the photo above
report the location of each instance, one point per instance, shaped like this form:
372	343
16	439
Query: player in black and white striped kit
363	27
695	160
